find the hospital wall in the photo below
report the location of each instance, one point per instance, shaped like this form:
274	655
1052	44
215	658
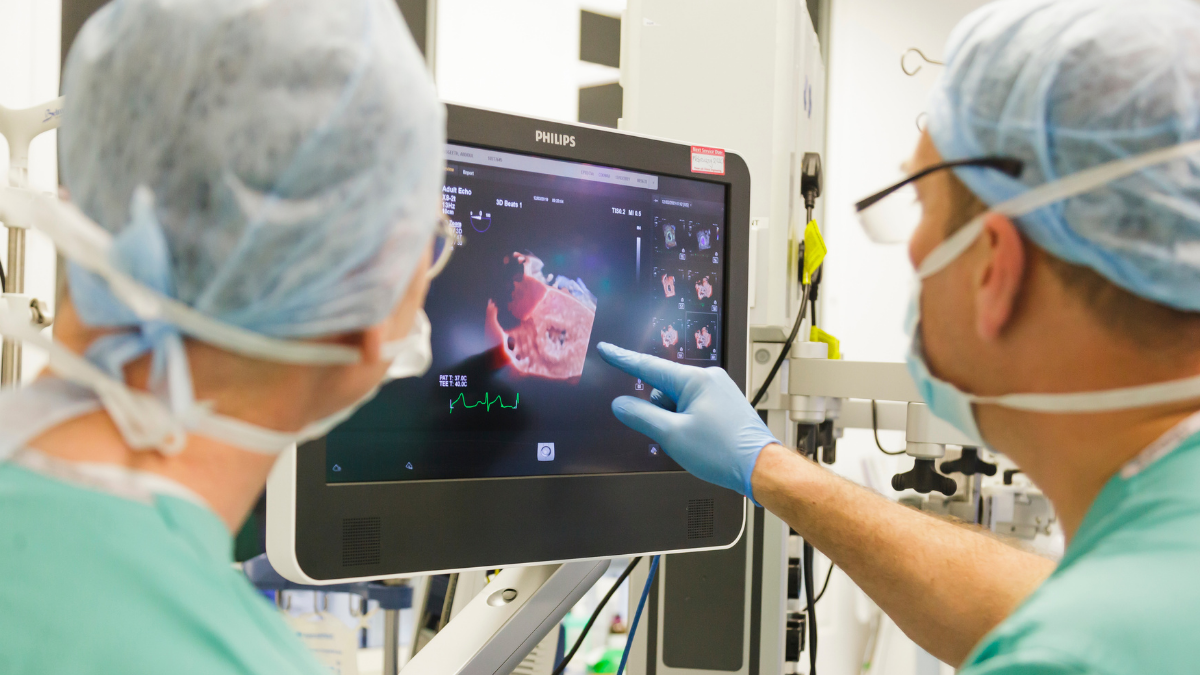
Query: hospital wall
518	56
872	128
29	70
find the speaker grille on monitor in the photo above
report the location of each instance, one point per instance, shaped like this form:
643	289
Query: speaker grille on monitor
360	541
700	519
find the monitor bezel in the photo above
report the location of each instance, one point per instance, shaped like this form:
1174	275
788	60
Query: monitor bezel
439	526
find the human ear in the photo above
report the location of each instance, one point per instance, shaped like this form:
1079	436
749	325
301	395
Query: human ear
999	281
372	342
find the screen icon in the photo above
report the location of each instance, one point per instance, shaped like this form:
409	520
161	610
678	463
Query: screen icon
655	450
337	467
408	466
545	452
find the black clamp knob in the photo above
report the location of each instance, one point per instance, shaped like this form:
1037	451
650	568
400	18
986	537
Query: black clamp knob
924	478
817	440
828	441
969	464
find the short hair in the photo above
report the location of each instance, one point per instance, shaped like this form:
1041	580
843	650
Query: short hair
1143	322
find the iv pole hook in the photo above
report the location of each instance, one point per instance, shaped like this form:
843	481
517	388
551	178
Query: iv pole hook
918	52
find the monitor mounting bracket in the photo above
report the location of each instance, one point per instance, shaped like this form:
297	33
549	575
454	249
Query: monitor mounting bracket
506	620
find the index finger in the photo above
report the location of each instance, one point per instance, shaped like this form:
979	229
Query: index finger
661	374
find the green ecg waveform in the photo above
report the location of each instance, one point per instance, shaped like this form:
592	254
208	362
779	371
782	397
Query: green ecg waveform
486	402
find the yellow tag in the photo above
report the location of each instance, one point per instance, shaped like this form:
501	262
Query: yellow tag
818	335
814	250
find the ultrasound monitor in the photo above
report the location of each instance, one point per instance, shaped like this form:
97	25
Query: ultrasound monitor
506	452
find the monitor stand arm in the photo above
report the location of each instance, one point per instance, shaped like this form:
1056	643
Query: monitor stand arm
509	617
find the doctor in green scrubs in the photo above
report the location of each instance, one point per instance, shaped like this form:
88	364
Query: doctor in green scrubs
1056	320
256	189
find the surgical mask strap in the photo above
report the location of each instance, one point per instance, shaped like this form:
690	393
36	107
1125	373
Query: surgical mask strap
88	245
1047	194
160	322
1139	396
1144	396
948	251
144	421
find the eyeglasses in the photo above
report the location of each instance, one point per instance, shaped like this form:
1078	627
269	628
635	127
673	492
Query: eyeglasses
890	215
444	240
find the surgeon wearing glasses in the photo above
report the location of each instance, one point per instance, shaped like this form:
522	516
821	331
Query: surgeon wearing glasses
1054	214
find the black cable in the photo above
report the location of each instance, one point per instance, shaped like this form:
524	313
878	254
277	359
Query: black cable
812	300
811	608
588	626
824	586
787	346
875	428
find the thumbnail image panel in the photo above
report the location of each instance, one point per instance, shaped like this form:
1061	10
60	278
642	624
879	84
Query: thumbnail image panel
669	237
670	284
673	239
702	291
682	238
667	333
703	242
700	340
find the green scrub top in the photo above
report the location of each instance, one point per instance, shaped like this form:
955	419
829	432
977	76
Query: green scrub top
1126	596
92	582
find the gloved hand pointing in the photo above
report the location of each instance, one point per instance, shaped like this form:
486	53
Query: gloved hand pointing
698	415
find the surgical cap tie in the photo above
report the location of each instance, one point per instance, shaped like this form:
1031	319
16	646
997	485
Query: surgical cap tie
102	272
141	249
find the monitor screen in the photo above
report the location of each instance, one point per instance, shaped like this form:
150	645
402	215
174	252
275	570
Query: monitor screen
554	256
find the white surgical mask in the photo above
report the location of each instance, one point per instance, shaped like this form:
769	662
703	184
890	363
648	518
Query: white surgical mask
411	356
956	406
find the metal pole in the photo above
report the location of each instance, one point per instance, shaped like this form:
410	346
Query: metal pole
391	641
10	360
448	603
19	128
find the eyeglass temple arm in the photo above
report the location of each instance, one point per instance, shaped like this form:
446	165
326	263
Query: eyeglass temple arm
1010	166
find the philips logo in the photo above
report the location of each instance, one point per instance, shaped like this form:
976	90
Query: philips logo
554	139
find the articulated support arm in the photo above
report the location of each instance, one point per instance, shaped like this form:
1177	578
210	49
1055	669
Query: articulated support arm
506	620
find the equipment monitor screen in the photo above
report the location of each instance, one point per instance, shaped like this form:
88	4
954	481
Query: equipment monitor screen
553	257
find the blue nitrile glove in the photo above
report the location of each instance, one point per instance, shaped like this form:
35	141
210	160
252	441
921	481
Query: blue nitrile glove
698	415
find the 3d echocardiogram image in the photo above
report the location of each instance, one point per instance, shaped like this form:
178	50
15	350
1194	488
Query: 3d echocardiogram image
556	314
702	242
669	239
702	291
700	338
669	283
668	331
